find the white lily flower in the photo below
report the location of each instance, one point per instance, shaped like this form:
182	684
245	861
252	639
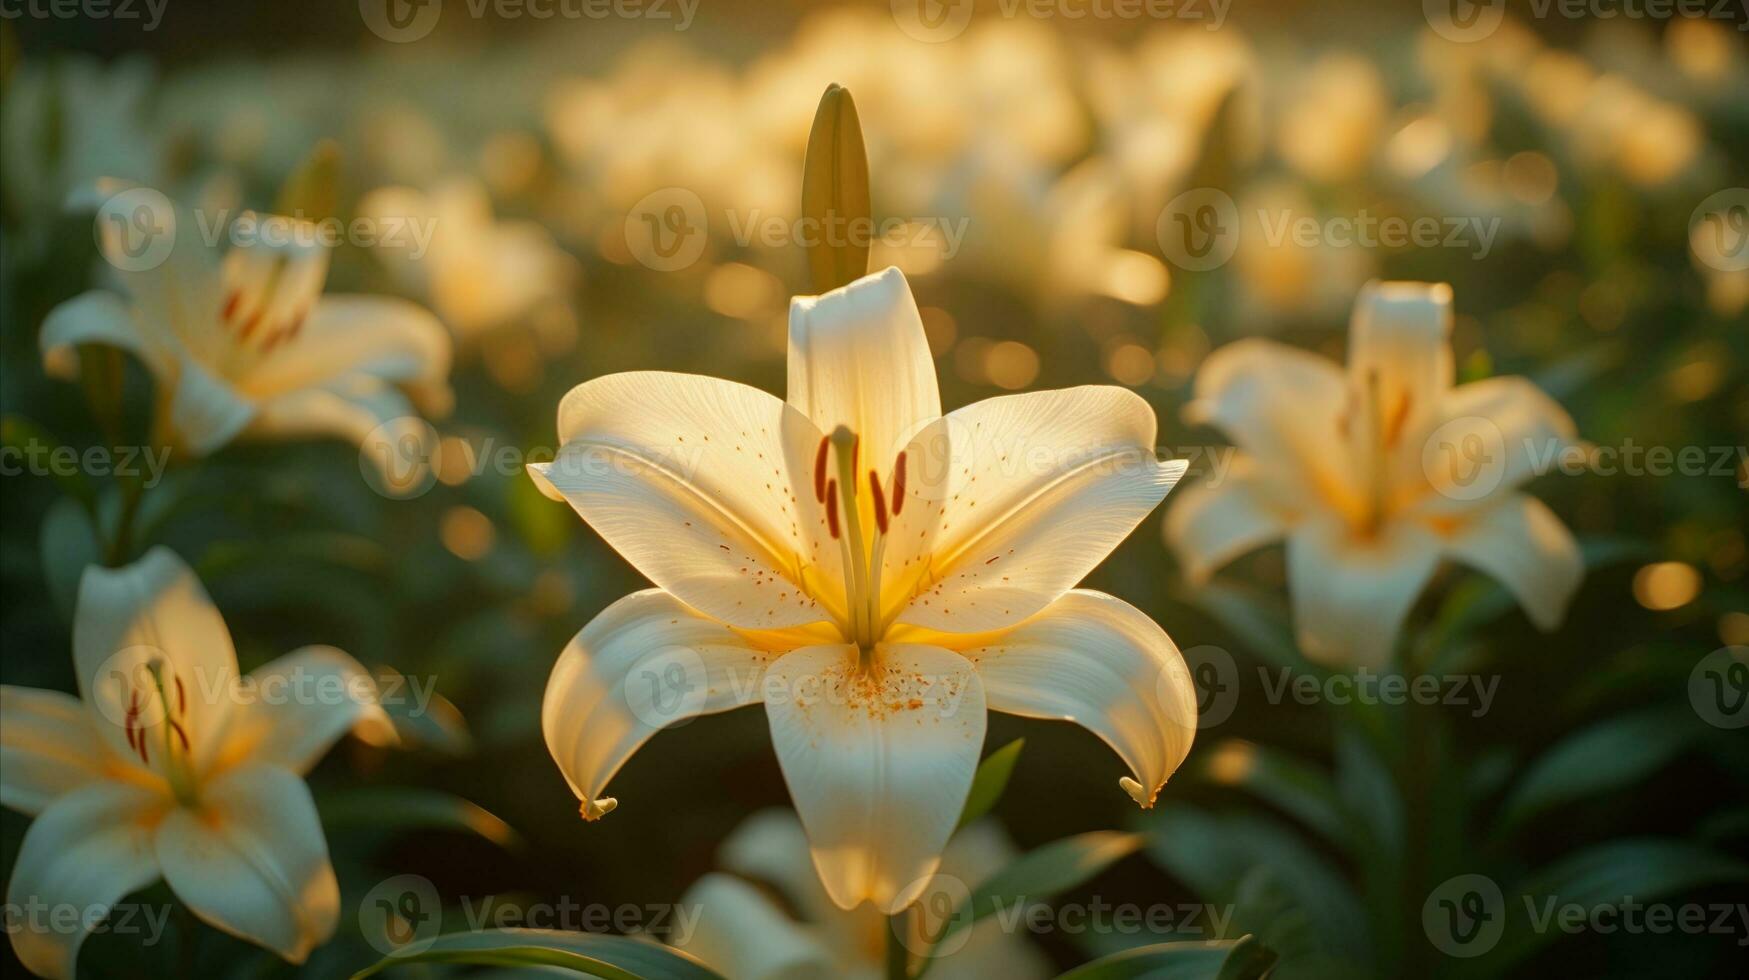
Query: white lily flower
1375	474
874	572
741	932
169	764
250	345
478	273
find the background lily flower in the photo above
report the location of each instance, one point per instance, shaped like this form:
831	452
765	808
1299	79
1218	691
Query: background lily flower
877	573
249	345
171	765
480	274
742	932
1375	474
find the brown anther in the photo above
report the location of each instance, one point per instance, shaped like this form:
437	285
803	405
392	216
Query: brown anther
181	735
832	508
181	697
899	483
231	302
820	469
880	501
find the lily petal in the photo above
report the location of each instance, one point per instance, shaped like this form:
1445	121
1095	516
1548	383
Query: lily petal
47	747
879	766
772	847
1509	416
1285	407
1099	662
858	357
87	851
1523	544
95	317
705	486
376	336
1039	488
1214	521
369	413
252	861
291	711
741	933
1400	333
205	411
644	663
153	611
1351	595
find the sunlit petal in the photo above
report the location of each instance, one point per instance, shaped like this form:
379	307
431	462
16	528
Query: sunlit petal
1523	544
252	861
1039	488
1351	593
742	933
1211	522
292	710
878	763
47	747
703	485
644	663
378	336
87	851
1103	664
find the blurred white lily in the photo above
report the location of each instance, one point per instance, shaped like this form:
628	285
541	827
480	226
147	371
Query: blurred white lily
478	273
250	345
742	932
1375	474
171	765
877	574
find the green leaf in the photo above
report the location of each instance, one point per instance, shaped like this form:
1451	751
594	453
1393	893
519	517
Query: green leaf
403	808
835	194
27	441
1609	874
1227	959
1039	874
591	954
312	191
1294	786
1610	755
990	780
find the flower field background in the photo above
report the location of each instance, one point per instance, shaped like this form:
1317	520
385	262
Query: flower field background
1107	198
